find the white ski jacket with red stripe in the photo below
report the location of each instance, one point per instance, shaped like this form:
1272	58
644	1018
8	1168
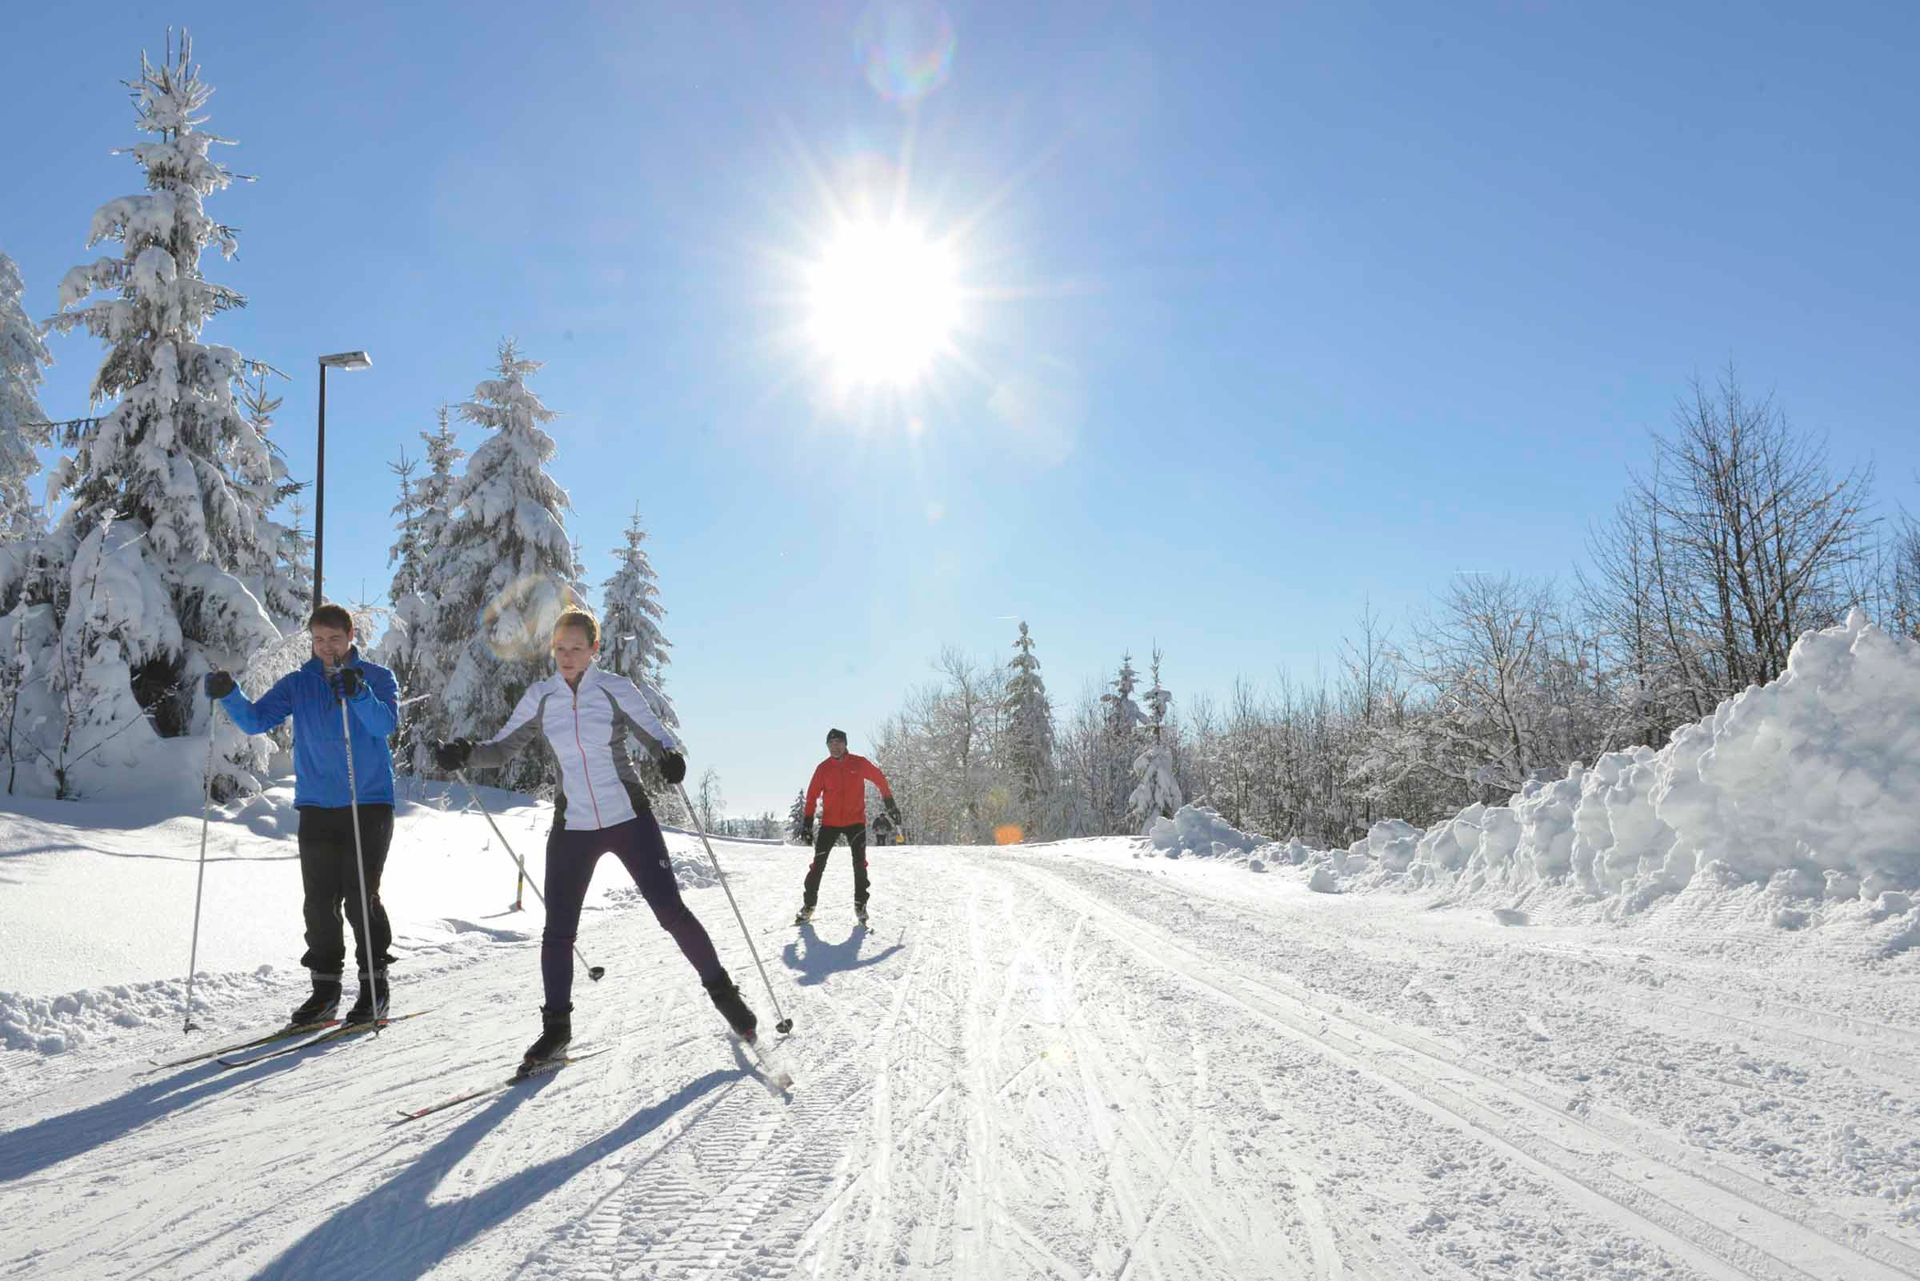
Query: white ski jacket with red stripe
587	729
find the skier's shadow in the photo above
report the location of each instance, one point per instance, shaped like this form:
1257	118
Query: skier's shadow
35	1147
812	958
400	1230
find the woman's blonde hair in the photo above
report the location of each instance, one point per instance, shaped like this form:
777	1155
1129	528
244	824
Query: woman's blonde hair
574	616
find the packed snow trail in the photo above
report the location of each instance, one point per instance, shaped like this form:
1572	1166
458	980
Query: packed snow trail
1049	1062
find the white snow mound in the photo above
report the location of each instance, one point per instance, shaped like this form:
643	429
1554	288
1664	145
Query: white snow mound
1809	785
1199	831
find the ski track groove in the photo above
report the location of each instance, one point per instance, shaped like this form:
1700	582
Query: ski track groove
1419	1073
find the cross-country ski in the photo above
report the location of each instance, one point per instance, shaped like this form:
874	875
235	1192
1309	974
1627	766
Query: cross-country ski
334	1033
282	1034
522	1075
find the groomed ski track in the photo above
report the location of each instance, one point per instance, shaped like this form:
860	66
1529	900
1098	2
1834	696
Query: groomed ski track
1035	1064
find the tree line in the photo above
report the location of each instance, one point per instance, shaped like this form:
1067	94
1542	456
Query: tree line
1736	536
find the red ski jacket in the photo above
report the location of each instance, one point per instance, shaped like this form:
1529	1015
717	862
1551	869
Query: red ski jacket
843	783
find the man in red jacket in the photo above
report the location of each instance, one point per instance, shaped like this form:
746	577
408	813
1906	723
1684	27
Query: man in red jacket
842	780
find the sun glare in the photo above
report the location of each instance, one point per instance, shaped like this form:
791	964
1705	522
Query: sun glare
883	304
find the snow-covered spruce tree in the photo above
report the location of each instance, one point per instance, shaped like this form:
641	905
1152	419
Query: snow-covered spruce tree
504	569
1118	744
632	643
630	637
794	815
398	649
1157	791
158	527
412	641
1028	743
277	577
23	424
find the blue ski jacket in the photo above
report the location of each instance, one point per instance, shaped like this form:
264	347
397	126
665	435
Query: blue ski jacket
319	763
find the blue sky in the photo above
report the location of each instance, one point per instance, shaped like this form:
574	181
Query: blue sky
1325	301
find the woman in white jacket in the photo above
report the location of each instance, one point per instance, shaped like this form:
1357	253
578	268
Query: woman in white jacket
586	715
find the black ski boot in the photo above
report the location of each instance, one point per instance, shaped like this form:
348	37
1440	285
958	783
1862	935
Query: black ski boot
860	913
804	915
556	1034
371	1005
320	1007
727	1000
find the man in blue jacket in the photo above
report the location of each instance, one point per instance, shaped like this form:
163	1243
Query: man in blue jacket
329	870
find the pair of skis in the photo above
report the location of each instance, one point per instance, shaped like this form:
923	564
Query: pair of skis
235	1055
771	1067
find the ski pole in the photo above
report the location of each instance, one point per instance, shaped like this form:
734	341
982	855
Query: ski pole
594	972
200	881
785	1024
360	862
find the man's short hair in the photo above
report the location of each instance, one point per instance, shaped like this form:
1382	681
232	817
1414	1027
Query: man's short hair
574	616
331	615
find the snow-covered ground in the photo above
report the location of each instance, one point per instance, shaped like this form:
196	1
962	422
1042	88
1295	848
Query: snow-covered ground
1073	1060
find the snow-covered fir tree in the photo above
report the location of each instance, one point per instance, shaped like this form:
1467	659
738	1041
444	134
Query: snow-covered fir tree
633	644
276	577
504	570
1028	737
158	530
435	493
795	815
298	557
405	553
396	649
412	645
1157	791
23	424
1121	719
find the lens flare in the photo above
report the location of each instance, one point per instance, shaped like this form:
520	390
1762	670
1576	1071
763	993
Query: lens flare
906	48
518	620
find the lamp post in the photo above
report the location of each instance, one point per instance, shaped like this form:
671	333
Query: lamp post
339	360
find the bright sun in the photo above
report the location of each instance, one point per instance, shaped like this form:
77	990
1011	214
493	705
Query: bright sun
883	303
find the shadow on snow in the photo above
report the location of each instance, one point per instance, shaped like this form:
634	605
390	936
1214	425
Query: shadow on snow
399	1231
35	1147
813	958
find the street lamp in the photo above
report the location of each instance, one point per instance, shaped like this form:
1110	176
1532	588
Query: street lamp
339	360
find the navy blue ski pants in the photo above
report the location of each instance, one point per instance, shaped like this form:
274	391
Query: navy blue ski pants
571	857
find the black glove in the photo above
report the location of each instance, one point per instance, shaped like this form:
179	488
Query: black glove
453	754
349	681
893	811
806	831
673	768
219	685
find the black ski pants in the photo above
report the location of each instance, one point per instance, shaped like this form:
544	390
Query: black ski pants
823	842
329	873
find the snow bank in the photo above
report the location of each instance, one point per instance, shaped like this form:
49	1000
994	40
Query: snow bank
1198	831
1809	786
53	1024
